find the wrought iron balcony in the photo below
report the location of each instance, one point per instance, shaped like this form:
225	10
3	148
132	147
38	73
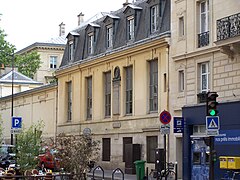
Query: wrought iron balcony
228	27
203	39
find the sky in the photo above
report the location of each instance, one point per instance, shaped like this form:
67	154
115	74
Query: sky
28	21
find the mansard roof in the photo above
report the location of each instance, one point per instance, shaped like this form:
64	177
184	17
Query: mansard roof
120	42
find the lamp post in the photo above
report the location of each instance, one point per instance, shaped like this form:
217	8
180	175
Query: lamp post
12	56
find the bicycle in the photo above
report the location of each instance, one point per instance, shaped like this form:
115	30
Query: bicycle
231	175
170	174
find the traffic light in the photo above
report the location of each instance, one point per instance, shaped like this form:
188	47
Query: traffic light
212	104
214	156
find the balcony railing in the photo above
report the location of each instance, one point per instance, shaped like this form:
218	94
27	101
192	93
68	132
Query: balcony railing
203	39
228	27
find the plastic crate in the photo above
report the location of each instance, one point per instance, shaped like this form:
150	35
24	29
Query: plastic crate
223	162
233	162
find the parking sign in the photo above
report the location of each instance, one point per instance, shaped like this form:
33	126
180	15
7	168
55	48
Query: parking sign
16	122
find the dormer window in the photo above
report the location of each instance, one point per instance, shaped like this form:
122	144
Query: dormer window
109	36
72	41
70	51
154	18
90	43
130	28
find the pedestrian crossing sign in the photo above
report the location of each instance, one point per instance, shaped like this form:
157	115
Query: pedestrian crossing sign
212	123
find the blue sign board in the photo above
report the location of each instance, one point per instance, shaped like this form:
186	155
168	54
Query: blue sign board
227	137
16	122
178	124
212	123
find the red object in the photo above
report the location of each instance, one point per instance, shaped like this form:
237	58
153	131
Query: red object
48	161
165	117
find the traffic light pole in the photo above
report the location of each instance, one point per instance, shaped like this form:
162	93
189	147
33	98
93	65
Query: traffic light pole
211	163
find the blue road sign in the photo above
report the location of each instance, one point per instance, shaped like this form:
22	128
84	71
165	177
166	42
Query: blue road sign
212	123
178	124
16	122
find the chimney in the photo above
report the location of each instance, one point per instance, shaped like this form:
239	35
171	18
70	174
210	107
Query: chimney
80	18
126	3
61	29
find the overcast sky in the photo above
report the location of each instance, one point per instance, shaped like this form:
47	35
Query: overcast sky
29	21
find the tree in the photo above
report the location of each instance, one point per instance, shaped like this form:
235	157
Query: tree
76	151
28	63
6	50
28	146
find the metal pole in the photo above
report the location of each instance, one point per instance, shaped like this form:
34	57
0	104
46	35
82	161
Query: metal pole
211	164
165	153
12	96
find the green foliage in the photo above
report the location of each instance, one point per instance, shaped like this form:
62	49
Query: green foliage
6	50
28	63
75	151
28	145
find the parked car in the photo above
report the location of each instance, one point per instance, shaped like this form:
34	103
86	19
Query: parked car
48	160
7	156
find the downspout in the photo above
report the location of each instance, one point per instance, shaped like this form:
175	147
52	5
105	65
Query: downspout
56	121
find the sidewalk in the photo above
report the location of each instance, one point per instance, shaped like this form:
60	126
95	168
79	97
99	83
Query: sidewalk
108	175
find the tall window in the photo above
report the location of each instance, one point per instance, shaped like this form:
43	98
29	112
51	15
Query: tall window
90	44
109	36
203	36
204	70
89	97
108	94
181	80
153	87
181	26
154	15
106	149
69	101
53	62
71	51
152	144
129	90
130	28
204	16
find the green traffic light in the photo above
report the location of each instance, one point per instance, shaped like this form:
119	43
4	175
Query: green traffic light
212	112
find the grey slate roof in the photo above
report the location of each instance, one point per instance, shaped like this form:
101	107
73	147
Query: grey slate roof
143	34
18	78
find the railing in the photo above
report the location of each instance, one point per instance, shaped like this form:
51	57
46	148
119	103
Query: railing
228	27
203	39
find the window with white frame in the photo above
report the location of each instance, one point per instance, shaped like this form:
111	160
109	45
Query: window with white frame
69	101
181	26
153	18
53	62
109	36
130	28
204	16
204	76
181	80
89	97
90	43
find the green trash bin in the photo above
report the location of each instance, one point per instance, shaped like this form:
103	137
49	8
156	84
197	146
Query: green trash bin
140	169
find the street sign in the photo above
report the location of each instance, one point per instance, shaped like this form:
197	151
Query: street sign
212	125
178	124
165	117
165	129
212	122
16	131
16	122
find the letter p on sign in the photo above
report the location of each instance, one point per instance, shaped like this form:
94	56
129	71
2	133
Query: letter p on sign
16	122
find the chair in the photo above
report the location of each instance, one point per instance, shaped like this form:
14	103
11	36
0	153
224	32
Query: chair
48	176
8	176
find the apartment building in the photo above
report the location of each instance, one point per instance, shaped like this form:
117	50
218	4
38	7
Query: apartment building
205	57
